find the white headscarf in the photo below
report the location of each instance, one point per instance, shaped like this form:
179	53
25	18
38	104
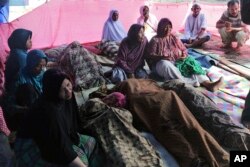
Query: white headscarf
152	22
113	30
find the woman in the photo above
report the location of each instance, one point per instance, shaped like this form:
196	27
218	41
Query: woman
33	72
53	123
31	77
19	42
149	21
165	49
113	29
130	59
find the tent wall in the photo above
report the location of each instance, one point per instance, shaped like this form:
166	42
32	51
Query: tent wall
63	21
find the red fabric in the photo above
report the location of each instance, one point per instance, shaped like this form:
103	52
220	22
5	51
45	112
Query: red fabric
61	22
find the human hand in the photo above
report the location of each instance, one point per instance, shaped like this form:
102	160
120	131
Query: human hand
228	26
183	56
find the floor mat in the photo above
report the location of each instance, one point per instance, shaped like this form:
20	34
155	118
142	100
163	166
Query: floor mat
241	57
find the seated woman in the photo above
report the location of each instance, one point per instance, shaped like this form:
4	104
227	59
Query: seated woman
19	42
131	54
113	29
149	21
165	49
53	123
31	74
112	35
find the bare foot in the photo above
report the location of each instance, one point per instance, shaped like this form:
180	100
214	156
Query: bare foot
213	86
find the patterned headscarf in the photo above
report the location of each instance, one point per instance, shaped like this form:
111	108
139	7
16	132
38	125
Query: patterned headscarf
52	81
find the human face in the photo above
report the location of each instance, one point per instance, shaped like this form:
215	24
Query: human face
115	16
196	10
141	35
145	11
29	43
65	92
39	67
234	9
168	29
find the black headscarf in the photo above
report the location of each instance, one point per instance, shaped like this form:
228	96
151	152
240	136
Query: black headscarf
52	81
162	25
18	39
133	33
52	122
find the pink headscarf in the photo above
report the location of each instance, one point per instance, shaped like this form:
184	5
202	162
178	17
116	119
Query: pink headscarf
115	99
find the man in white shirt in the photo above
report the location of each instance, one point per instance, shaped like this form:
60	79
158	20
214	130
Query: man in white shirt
195	33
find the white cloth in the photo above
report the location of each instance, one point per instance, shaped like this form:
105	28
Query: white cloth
194	25
150	25
169	71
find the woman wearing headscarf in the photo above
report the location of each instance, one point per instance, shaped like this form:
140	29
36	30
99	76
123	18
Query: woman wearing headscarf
113	29
112	35
33	72
149	21
130	59
165	50
19	43
28	84
53	123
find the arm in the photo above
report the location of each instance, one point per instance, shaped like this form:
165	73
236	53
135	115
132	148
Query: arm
182	54
152	52
221	22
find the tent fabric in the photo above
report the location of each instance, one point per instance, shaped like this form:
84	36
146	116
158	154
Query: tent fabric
60	22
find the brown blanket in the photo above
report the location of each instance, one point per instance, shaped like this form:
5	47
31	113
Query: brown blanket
165	115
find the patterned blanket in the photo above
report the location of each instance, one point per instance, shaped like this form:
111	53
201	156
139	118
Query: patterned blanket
231	97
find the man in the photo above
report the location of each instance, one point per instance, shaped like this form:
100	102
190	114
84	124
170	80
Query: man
231	27
195	33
